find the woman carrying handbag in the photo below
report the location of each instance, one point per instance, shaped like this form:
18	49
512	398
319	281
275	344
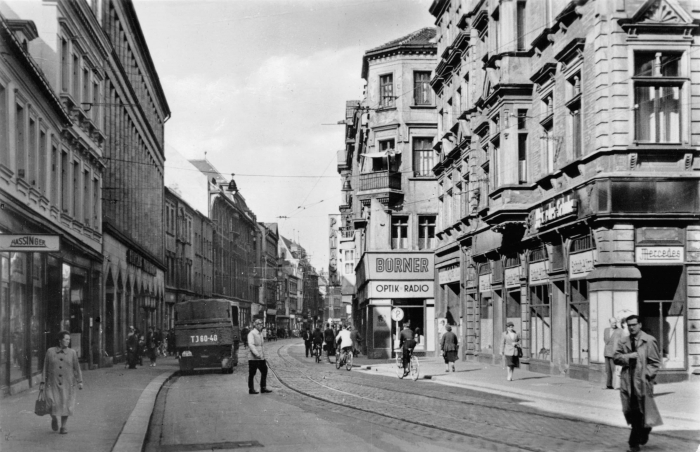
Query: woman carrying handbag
61	375
510	349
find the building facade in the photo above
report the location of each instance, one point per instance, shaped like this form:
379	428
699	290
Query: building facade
51	184
276	314
389	209
568	131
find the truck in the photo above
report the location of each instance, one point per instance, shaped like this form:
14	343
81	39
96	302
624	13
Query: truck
207	334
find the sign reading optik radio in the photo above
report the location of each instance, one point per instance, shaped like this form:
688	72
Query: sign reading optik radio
401	289
26	243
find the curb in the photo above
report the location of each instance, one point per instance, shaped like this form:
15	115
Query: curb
133	434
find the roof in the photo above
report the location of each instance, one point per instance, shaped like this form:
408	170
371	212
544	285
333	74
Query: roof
420	39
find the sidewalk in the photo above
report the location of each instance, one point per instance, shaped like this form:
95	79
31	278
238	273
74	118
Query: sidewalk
677	402
102	408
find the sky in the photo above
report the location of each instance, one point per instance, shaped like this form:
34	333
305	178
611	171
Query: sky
260	85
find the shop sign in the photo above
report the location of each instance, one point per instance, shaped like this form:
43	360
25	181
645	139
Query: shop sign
512	277
26	243
485	283
554	210
272	312
135	259
448	274
538	272
398	266
401	289
581	264
659	254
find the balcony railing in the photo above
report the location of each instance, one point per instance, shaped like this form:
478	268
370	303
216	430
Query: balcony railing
380	180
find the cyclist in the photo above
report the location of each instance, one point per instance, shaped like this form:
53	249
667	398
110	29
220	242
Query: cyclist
317	338
407	344
344	340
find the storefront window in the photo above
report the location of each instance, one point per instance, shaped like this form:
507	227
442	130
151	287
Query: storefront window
662	312
513	310
36	318
486	322
74	292
414	315
4	318
578	322
18	296
540	322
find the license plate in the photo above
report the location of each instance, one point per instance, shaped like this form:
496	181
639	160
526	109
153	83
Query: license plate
203	338
186	353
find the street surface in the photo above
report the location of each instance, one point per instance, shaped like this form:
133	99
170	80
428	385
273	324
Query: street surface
316	407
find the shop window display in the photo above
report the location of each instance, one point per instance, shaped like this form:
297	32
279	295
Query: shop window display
36	316
513	310
579	319
540	322
486	323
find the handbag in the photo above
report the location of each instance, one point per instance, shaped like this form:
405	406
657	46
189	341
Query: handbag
520	351
41	406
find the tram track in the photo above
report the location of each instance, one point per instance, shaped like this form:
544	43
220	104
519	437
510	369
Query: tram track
452	412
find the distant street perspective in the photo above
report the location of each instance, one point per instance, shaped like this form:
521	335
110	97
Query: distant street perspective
382	225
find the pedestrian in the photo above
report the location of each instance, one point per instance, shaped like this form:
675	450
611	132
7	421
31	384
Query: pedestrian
60	376
317	338
449	346
306	336
142	349
407	342
356	340
132	345
151	346
329	338
256	359
244	336
638	354
611	337
510	347
171	342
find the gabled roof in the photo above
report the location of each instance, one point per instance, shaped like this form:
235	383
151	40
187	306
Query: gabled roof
421	39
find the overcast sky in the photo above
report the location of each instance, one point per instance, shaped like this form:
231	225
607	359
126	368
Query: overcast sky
253	83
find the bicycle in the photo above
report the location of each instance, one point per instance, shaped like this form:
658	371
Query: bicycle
412	365
343	358
317	352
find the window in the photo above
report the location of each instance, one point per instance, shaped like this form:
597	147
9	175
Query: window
578	322
54	187
540	322
65	188
486	321
87	197
76	190
19	142
96	204
65	66
399	233
520	26
426	232
76	78
95	108
86	87
548	139
657	97
349	260
32	152
386	90
522	158
4	156
421	88
43	156
422	156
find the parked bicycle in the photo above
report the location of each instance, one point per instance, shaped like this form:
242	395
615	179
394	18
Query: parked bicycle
412	366
344	358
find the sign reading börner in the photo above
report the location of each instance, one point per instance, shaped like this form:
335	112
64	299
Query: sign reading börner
401	266
25	243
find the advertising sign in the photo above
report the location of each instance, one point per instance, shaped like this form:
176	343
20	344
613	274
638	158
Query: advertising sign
400	266
659	254
581	264
538	272
448	274
554	210
512	277
25	243
485	283
401	289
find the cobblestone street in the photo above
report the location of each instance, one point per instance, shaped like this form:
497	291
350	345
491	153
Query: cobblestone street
315	404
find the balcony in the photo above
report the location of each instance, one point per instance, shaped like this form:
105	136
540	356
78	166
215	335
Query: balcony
383	185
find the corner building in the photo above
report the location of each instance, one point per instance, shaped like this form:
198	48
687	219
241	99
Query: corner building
569	171
389	211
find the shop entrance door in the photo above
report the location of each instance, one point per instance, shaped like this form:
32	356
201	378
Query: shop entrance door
662	300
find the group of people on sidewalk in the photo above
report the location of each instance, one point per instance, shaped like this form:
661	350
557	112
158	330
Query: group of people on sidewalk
631	357
152	345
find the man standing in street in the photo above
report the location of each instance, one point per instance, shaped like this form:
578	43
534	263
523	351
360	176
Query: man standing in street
306	335
256	359
329	338
611	336
638	355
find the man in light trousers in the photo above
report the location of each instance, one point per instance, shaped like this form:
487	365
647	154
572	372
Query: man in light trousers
256	359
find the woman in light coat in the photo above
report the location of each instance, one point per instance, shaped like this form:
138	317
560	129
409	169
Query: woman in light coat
60	376
510	344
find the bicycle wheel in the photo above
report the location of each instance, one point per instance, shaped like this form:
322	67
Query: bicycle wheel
348	361
414	368
399	366
318	355
338	361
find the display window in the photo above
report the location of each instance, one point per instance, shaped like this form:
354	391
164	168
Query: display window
486	322
414	316
579	320
540	322
513	310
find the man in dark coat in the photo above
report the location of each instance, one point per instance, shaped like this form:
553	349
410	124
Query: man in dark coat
407	344
306	336
329	338
638	354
